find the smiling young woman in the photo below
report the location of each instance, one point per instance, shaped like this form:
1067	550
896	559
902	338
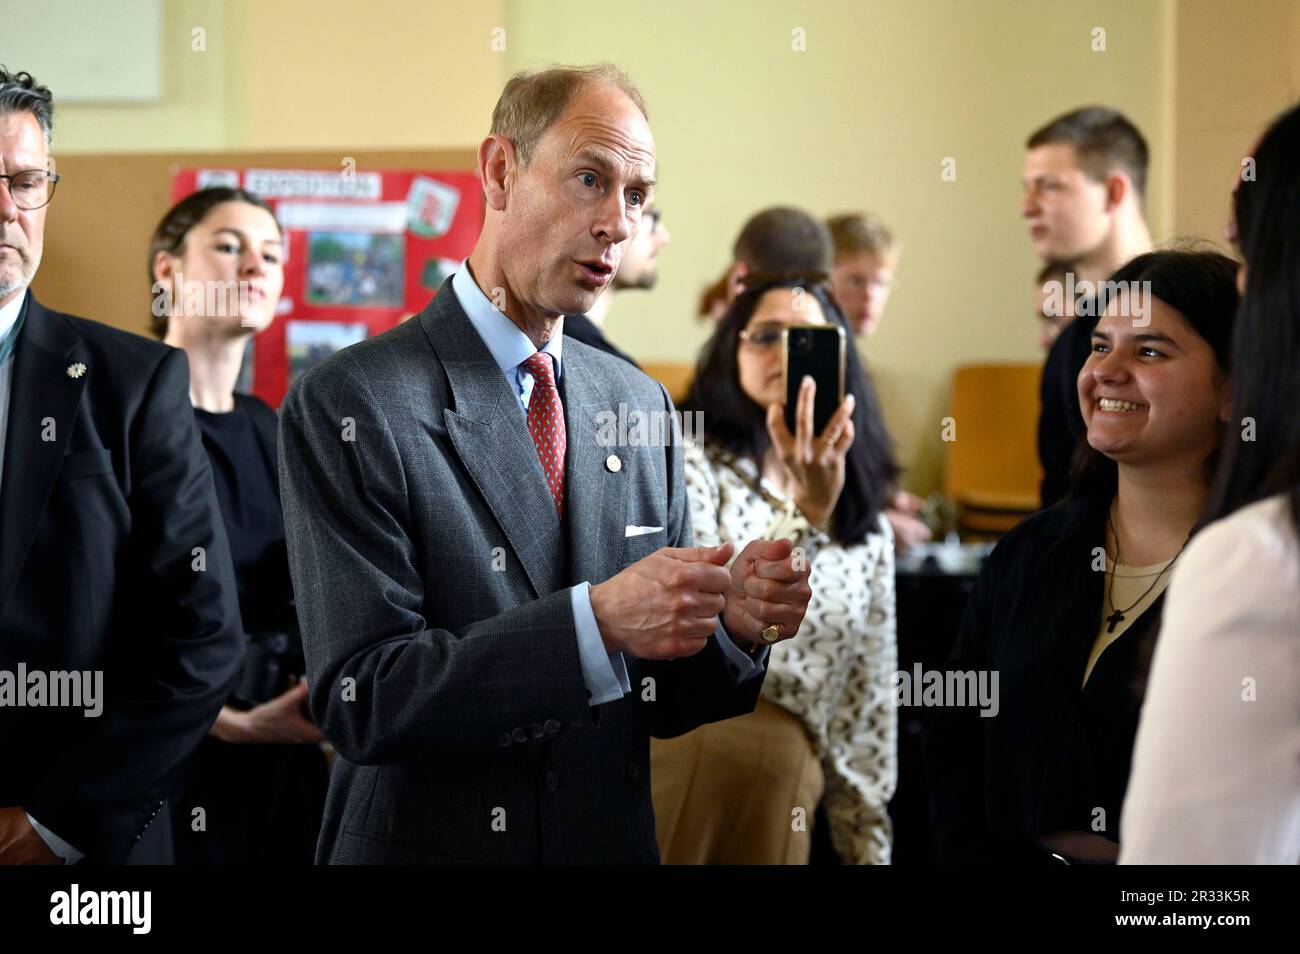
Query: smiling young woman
1062	607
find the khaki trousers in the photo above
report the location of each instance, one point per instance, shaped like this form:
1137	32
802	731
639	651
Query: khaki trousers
738	792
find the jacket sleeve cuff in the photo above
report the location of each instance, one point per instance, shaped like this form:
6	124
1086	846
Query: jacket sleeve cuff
57	845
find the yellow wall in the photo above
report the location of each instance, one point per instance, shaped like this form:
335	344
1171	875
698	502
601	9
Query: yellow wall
860	120
201	103
1238	66
304	74
388	74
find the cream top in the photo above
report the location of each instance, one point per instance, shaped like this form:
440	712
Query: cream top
1216	766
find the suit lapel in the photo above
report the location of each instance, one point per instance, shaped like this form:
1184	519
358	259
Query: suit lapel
43	398
596	497
491	438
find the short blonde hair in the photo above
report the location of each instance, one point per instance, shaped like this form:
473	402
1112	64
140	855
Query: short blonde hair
856	232
532	101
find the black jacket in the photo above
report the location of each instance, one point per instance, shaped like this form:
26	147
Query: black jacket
582	328
1060	422
106	493
1055	752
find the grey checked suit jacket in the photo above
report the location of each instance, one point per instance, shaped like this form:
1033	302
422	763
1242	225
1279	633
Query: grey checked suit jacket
432	581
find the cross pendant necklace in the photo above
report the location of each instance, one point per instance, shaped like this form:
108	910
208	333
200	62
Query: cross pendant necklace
1117	615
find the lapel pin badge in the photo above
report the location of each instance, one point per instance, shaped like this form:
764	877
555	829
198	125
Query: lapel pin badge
613	464
76	370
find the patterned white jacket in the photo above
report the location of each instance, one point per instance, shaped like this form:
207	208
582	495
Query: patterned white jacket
836	675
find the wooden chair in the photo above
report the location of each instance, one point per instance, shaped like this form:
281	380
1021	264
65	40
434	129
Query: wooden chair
991	468
676	378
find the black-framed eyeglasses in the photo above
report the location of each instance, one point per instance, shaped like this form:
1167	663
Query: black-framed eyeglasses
763	336
32	189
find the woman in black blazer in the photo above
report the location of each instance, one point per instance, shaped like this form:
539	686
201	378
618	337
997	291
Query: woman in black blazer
1060	611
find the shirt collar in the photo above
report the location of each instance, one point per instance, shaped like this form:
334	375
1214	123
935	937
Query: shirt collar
9	314
509	346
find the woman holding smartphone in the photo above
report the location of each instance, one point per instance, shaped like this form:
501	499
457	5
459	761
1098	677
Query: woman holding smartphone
745	791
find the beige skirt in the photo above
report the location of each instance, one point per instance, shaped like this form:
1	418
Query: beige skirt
738	792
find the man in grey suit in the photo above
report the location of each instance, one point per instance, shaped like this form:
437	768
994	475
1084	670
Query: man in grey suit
499	599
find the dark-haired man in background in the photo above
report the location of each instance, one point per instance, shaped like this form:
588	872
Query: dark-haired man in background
779	241
1085	178
639	269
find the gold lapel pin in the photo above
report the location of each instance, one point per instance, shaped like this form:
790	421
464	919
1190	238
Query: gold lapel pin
76	370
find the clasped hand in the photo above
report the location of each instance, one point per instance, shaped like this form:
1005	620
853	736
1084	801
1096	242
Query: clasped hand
667	605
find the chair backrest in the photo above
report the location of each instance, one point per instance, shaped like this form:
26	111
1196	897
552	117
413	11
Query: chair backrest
992	462
676	378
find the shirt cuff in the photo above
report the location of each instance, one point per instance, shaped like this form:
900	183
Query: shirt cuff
57	844
741	664
605	674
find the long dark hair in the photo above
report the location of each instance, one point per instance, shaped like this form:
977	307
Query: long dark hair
739	425
1201	286
169	236
1266	379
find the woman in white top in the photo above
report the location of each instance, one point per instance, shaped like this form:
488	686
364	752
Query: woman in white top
1216	767
746	790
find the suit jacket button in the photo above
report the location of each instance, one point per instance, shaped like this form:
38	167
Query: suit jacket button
633	770
551	726
536	730
552	781
520	734
504	739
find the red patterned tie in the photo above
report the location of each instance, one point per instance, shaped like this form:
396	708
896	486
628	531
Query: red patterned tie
546	425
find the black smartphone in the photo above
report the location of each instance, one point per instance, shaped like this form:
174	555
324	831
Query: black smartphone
816	351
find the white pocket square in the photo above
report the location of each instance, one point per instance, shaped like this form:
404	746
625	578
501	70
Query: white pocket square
634	531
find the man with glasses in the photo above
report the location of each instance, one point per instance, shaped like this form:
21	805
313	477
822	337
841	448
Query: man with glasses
639	268
119	626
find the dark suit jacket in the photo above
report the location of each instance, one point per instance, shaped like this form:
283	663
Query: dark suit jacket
1060	422
432	578
97	528
1055	752
588	332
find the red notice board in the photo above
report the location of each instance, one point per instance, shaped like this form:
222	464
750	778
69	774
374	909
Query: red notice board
363	252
